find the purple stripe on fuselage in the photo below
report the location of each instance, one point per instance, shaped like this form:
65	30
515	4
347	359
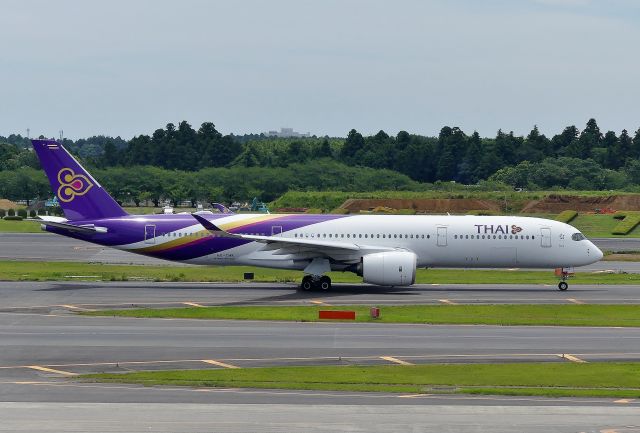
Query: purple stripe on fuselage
131	229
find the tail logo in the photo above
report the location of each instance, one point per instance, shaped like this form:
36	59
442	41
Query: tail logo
72	185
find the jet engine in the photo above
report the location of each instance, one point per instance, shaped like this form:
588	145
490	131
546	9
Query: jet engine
395	268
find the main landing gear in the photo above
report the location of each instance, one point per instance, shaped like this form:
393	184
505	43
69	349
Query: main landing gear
316	282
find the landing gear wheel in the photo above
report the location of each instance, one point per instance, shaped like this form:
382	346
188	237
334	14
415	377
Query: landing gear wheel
307	283
563	286
325	283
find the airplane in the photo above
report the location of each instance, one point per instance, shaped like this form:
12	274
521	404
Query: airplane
384	250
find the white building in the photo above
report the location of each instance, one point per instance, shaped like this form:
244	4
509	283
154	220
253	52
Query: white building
286	133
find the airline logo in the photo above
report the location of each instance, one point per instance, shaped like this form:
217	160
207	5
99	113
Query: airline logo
492	229
72	185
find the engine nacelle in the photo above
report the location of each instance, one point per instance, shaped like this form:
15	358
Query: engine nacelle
395	268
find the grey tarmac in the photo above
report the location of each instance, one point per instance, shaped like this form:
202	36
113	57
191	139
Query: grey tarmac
56	297
335	417
38	346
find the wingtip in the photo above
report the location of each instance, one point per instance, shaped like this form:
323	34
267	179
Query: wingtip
206	223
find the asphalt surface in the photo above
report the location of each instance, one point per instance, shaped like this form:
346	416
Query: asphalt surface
41	352
43	344
316	418
50	247
52	297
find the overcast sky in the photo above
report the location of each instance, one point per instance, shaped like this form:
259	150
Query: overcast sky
129	67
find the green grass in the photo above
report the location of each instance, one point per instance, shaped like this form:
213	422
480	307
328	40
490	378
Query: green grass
19	226
507	315
630	222
600	226
566	216
542	379
57	271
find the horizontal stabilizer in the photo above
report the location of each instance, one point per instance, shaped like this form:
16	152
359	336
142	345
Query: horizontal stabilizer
87	229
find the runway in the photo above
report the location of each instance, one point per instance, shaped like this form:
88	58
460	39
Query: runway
50	247
44	345
54	297
41	353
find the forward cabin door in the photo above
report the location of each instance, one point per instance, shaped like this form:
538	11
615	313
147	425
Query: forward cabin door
545	237
150	234
442	237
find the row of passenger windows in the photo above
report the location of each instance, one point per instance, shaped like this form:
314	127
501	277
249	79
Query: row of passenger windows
361	235
494	237
200	235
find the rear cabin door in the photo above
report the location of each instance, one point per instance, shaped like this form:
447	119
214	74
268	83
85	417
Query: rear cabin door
276	230
545	237
442	237
150	234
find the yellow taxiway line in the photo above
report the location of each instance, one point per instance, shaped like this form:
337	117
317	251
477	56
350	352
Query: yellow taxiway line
219	364
571	358
193	304
51	370
395	360
446	301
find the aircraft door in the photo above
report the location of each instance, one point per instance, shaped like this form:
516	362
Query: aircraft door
150	234
276	230
545	237
442	237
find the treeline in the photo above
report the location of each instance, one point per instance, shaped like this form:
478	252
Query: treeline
139	184
574	159
452	156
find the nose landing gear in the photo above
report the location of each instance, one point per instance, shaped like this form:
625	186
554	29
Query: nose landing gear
564	274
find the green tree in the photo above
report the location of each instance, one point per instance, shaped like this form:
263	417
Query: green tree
352	145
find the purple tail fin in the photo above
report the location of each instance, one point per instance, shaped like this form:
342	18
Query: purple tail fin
80	195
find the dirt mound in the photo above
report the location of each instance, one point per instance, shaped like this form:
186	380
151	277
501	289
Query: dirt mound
7	204
423	205
556	203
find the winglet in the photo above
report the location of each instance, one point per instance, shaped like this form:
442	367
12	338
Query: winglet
221	208
212	227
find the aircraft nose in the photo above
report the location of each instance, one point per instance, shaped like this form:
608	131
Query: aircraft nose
596	252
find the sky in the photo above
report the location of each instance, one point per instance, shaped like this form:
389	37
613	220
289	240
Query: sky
124	68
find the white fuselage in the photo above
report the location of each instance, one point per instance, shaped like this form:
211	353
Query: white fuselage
437	241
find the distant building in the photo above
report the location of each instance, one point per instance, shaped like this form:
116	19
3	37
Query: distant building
286	133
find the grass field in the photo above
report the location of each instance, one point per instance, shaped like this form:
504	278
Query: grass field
19	227
506	315
600	226
60	271
540	379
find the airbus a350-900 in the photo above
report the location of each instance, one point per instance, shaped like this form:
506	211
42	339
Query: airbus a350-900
383	249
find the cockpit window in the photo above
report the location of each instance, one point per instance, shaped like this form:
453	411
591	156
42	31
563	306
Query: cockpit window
578	237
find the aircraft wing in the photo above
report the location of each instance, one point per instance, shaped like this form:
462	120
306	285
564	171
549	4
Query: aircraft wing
300	248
